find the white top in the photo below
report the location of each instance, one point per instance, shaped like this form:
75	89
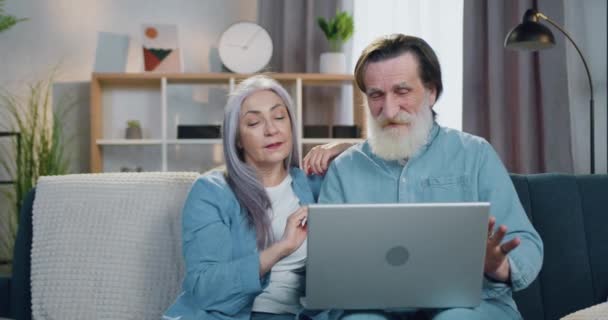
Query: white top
282	295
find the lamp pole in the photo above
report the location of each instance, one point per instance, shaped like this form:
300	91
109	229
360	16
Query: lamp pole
591	101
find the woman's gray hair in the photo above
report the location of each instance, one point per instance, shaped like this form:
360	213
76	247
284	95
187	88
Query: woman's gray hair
241	177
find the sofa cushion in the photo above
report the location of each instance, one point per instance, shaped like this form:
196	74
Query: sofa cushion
5	298
107	246
530	300
569	213
594	196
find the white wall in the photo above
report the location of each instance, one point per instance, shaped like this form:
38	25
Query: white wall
586	23
426	19
66	30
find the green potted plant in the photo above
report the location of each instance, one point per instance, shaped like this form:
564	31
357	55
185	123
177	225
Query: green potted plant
6	20
133	130
337	30
39	151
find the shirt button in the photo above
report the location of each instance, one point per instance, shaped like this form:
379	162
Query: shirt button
402	179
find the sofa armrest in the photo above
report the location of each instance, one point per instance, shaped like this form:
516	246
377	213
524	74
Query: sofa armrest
5	296
20	291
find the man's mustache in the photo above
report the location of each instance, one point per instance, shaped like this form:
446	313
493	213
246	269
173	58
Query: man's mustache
403	117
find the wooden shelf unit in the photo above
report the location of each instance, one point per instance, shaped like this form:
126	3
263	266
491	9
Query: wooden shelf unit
160	81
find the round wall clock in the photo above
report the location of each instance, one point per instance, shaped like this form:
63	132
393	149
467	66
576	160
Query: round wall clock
245	47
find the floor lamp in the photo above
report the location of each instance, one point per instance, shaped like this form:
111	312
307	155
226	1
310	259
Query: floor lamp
531	35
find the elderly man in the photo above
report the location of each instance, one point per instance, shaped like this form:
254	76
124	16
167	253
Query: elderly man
409	158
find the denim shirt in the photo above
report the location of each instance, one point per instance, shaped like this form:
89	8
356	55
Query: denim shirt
452	167
222	262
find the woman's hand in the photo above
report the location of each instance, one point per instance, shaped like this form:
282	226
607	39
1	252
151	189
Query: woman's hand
318	158
295	231
293	237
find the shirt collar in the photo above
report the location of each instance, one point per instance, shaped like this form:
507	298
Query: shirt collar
433	133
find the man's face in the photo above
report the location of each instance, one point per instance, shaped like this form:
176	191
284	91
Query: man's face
394	86
400	107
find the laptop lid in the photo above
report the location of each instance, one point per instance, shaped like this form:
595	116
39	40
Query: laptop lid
383	256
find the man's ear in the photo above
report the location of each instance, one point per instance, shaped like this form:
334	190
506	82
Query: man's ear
432	96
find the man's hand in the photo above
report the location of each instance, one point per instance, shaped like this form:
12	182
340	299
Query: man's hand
318	158
496	265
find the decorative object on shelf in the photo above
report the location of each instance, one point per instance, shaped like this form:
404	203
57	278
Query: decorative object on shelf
111	53
160	48
133	130
199	131
337	30
245	47
7	21
532	36
342	131
39	151
316	131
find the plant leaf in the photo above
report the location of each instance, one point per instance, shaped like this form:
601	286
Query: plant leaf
338	29
39	150
323	25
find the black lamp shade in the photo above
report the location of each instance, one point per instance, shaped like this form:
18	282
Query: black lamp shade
530	34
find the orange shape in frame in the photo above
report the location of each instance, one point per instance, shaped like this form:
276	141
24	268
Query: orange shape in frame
151	32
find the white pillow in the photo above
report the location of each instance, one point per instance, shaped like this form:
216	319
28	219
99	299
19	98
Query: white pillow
107	246
596	312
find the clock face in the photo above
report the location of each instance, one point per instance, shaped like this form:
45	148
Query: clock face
245	47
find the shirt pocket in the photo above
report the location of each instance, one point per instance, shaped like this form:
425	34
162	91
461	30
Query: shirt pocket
453	188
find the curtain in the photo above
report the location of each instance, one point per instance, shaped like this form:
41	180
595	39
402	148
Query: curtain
516	100
298	43
586	23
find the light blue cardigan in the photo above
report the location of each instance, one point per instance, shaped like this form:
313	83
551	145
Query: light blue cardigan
219	247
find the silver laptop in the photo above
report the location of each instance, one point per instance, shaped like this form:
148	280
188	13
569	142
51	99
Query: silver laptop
385	256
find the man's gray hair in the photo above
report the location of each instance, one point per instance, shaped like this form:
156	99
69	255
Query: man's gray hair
241	177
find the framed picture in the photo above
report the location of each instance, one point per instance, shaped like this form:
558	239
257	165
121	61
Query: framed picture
161	49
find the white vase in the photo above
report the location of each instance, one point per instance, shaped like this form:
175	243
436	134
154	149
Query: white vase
333	62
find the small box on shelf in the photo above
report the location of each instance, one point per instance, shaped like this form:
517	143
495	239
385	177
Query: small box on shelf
316	131
342	131
199	131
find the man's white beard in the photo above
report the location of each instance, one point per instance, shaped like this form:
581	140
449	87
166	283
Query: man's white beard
396	144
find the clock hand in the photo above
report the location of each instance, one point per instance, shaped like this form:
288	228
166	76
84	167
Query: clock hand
235	45
251	39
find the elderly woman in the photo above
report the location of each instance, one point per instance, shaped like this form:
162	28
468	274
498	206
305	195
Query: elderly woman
243	228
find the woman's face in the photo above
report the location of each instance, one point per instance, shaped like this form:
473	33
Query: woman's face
265	129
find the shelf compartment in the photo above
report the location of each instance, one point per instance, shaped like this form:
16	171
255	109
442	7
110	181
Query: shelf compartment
195	141
330	140
194	157
119	156
128	142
